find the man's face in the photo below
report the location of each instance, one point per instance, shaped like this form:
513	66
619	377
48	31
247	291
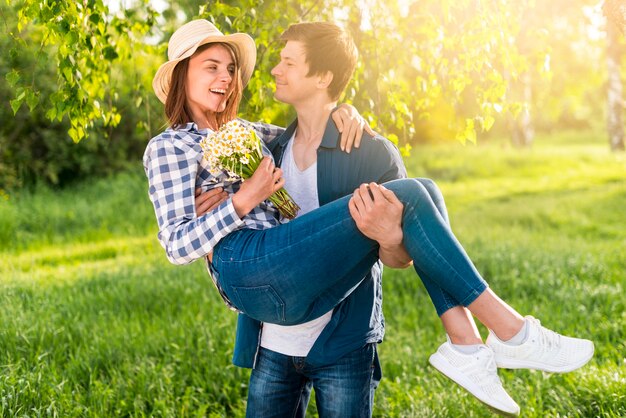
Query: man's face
292	84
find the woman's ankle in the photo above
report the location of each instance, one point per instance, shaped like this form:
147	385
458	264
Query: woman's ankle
508	331
465	339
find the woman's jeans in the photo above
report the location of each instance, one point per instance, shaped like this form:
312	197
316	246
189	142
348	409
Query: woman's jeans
298	271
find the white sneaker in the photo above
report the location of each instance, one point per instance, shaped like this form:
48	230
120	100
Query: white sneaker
543	350
477	373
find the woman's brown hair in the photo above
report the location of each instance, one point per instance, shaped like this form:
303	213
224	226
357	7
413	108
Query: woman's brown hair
176	109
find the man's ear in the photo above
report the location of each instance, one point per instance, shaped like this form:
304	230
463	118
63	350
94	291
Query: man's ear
324	80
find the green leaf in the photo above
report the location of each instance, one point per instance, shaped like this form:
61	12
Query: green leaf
73	134
76	133
67	73
70	38
15	105
20	94
110	53
51	113
12	78
405	150
488	122
32	99
14	54
393	138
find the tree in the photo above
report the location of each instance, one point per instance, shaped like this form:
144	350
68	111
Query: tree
616	12
84	41
429	69
445	54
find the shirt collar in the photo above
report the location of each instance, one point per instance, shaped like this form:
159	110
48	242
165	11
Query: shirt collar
331	135
329	140
192	127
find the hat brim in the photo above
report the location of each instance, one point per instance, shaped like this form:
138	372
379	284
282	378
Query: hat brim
244	48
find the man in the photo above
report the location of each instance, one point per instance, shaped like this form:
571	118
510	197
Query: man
336	353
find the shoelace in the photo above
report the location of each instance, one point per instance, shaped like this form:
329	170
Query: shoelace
548	338
488	374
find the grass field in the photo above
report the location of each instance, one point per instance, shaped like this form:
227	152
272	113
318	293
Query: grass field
94	322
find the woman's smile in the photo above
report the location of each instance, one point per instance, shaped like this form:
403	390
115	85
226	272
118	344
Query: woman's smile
209	76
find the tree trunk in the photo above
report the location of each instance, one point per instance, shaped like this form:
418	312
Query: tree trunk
522	132
521	126
615	106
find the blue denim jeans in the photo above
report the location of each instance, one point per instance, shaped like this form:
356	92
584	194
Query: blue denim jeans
280	385
298	271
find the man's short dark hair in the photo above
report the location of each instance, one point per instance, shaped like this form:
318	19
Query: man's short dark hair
328	48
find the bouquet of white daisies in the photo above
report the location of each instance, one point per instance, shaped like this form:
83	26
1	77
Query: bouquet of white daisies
236	150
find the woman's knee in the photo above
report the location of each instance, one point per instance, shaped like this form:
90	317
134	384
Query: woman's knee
431	186
409	191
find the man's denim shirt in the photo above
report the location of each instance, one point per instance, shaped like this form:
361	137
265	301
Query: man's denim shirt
359	318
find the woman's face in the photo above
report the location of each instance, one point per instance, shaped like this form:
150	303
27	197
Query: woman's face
209	76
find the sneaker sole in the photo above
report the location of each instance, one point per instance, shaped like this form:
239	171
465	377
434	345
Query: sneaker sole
529	364
442	365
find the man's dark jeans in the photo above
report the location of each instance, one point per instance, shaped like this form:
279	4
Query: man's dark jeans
280	385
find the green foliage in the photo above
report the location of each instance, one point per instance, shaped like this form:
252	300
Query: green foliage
429	70
430	57
96	322
86	40
34	149
443	52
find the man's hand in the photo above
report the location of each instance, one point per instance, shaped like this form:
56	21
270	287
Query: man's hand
378	215
209	200
351	125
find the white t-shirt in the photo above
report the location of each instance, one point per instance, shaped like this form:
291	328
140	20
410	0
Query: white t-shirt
296	340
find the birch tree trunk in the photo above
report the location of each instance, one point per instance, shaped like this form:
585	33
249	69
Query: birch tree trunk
615	105
523	132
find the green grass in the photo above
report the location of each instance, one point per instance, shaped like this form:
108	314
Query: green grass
95	322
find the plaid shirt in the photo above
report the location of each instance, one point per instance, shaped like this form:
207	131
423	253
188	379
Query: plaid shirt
175	167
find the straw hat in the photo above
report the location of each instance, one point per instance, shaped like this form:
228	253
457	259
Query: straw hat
186	40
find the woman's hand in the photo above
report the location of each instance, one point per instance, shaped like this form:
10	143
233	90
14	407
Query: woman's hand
351	125
209	200
266	180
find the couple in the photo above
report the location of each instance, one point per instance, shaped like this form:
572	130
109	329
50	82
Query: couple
309	290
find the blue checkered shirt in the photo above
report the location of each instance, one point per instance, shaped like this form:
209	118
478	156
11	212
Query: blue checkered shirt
175	167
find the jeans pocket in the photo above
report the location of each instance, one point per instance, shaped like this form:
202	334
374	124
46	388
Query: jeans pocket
260	302
222	253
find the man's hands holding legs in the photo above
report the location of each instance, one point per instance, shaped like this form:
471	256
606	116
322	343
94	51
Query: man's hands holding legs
378	215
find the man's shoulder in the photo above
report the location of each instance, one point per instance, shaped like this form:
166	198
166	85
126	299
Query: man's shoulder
377	148
377	142
381	156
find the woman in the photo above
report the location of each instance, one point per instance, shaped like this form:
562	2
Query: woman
290	273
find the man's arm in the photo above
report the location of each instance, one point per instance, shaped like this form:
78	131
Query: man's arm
378	215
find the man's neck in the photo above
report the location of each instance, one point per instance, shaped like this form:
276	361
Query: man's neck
312	119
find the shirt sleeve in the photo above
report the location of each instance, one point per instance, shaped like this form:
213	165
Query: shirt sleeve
171	167
266	131
389	161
